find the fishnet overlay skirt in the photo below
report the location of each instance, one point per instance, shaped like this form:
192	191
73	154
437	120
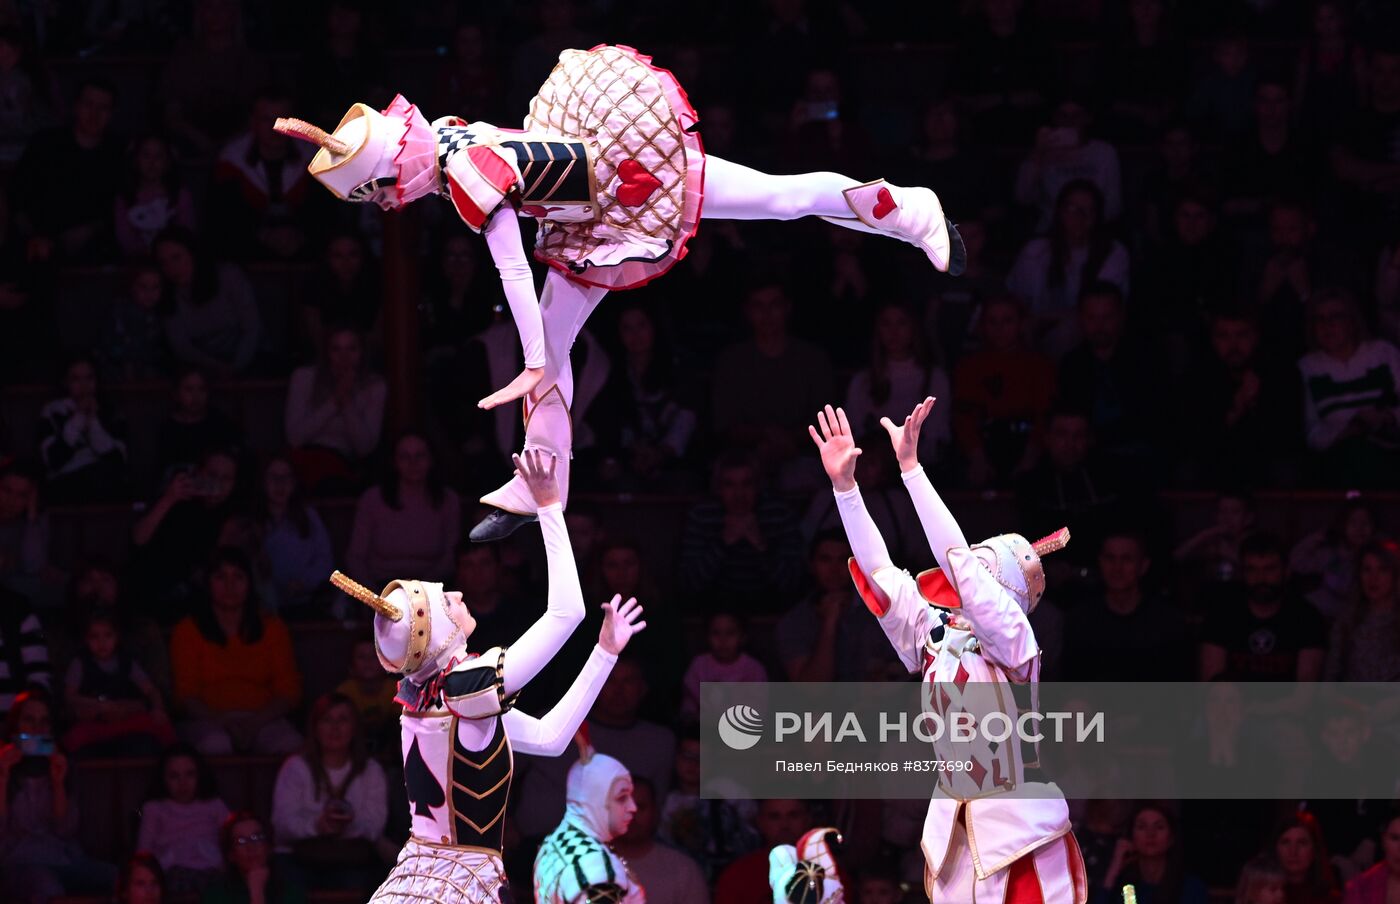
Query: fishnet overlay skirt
629	110
428	874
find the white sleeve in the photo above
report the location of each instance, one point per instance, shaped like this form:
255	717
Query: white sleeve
542	641
551	734
940	528
866	543
503	239
908	620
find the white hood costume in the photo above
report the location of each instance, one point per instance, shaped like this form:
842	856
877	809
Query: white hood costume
610	163
574	864
459	732
989	835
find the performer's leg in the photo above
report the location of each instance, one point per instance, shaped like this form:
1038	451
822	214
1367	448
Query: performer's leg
735	192
565	306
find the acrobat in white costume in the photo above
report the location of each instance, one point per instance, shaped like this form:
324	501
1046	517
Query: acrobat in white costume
574	864
459	731
611	165
989	835
806	873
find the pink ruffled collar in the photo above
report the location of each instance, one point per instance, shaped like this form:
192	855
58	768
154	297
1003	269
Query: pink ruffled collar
416	161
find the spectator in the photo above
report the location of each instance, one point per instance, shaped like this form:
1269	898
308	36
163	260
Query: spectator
460	300
1261	882
1327	559
334	412
1184	273
250	875
131	346
209	81
24	654
1374	885
764	386
1244	407
714	830
822	133
469	79
344	63
181	818
902	373
1365	643
1003	392
117	709
614	727
1050	271
1208	562
141	880
1140	72
1331	69
740	546
665	873
1222	96
24	531
409	523
371	691
1151	862
152	198
725	659
66	180
331	803
1112	376
829	635
84	455
235	677
294	540
215	323
745	881
1363	153
1307	872
1272	161
500	617
175	536
1269	635
1281	286
642	427
1125	633
26	316
1180	170
40	857
1351	389
1063	154
942	158
95	587
194	428
19	103
346	293
1000	72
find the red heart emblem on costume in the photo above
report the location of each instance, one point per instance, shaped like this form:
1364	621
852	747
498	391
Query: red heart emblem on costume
884	204
637	184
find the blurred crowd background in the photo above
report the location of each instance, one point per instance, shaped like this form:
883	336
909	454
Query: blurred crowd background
1176	335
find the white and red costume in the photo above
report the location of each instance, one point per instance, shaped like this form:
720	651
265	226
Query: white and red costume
611	165
989	834
806	872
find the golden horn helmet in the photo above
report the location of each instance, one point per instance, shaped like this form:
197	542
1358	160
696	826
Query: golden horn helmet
368	597
300	128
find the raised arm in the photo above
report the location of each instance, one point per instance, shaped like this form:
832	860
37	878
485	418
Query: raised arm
564	612
939	526
503	240
550	734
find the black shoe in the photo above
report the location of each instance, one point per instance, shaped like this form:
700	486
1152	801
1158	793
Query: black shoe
498	525
957	258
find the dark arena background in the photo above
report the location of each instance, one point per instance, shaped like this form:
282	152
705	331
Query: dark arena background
1175	335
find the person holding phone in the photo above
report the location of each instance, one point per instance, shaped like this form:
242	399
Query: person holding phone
1065	151
40	857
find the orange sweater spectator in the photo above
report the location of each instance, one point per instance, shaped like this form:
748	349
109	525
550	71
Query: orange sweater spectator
235	676
1001	394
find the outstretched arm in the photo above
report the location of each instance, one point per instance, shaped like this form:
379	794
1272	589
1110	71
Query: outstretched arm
502	233
542	641
940	528
551	734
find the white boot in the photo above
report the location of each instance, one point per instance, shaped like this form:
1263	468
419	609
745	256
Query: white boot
914	215
547	427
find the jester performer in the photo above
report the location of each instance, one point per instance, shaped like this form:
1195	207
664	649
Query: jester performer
574	864
459	731
989	835
611	166
806	873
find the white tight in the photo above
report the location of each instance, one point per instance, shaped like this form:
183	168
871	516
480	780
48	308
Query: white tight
735	192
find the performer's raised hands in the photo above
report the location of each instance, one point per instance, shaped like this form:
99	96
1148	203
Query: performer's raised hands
905	437
838	447
536	468
619	624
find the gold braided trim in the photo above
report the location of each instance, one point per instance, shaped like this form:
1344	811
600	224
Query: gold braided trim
1053	543
368	597
300	128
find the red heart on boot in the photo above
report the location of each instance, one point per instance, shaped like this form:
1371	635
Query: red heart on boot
637	184
884	204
